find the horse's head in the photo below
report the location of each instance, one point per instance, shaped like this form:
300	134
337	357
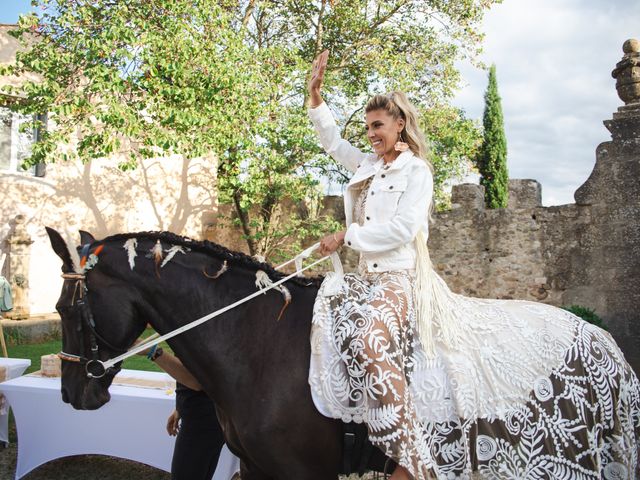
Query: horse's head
95	326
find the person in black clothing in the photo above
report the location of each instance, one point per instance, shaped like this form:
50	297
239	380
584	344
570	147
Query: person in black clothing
194	421
199	436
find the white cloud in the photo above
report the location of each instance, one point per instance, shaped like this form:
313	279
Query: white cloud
554	61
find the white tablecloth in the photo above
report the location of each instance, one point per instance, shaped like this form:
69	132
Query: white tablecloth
15	368
131	425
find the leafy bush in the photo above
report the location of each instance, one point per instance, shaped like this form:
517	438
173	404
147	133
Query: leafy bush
587	314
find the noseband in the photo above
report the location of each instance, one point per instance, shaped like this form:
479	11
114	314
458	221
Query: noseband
92	366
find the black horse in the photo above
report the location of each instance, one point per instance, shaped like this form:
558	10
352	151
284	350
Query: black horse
253	361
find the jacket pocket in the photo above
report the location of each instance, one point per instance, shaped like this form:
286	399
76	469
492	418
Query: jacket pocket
388	194
394	185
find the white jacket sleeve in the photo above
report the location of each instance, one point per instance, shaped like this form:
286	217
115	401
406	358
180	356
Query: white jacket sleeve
411	214
339	148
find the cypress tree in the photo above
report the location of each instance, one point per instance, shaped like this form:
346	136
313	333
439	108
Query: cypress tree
492	158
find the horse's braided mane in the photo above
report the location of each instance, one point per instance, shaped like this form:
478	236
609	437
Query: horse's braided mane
220	252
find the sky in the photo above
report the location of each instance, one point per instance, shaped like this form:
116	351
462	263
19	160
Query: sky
554	60
10	9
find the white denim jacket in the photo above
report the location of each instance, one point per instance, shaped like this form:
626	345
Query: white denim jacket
398	204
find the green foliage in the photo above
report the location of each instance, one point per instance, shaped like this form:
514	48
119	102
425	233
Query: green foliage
492	160
139	79
454	142
587	314
144	79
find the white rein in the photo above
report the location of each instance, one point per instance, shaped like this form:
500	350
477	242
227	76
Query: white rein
155	339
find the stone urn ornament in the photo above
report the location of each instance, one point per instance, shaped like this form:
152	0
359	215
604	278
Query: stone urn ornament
627	73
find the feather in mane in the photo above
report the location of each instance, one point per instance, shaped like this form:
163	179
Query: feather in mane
223	269
172	252
130	246
157	254
263	281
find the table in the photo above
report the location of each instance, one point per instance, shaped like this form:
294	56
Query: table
131	425
15	367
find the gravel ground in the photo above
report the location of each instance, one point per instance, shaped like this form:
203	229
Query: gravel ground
81	467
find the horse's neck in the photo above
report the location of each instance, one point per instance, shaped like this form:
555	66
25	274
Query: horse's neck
234	354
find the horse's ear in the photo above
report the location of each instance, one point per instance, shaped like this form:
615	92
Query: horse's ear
60	247
86	237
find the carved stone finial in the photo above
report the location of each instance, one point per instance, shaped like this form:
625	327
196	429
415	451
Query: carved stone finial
631	45
627	73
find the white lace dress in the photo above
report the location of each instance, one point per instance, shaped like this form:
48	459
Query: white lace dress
525	390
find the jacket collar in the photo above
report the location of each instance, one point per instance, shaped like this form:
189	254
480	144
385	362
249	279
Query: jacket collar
401	161
374	164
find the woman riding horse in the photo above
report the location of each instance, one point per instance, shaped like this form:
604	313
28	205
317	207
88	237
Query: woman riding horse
453	387
448	386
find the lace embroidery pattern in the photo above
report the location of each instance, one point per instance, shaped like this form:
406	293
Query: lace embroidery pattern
530	392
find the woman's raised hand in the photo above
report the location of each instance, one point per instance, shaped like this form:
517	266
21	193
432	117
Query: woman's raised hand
317	77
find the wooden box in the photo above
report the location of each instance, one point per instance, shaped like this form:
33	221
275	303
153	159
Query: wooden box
50	365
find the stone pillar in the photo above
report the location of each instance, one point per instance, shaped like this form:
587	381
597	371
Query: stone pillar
524	193
609	253
19	259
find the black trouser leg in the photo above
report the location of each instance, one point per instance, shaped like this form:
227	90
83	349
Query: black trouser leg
197	448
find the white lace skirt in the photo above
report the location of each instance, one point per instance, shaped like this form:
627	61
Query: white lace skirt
526	391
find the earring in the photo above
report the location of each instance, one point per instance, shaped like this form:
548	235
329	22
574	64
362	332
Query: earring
400	146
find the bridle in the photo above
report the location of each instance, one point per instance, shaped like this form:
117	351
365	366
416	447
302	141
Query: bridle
79	303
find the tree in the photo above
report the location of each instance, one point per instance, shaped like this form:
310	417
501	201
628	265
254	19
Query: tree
195	76
492	159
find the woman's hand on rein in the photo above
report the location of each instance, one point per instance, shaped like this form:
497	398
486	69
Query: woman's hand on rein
331	243
317	78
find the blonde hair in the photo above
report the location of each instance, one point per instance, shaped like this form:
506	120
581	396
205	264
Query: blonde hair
398	105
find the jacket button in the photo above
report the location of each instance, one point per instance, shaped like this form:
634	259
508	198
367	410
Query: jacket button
349	243
368	218
375	265
383	175
373	193
390	187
